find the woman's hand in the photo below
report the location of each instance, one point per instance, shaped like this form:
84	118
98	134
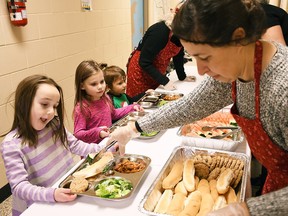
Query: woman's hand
190	79
123	135
104	132
64	195
169	86
239	209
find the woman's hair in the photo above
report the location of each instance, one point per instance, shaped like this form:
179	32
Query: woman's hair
170	16
214	21
24	96
264	1
113	73
85	70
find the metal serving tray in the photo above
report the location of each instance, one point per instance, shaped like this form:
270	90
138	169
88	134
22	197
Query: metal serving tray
155	98
219	119
218	144
132	116
134	178
184	152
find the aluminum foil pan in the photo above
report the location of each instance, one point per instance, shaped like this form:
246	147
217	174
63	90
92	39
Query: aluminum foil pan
184	152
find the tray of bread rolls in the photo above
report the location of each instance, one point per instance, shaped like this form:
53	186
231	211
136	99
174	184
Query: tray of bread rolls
197	181
112	177
194	135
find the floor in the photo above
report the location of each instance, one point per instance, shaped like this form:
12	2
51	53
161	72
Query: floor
5	207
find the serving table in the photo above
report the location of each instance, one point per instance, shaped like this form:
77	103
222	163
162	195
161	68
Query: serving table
158	149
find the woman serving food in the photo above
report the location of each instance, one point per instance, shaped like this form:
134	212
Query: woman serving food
243	70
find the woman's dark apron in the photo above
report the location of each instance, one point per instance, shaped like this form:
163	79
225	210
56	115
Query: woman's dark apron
138	81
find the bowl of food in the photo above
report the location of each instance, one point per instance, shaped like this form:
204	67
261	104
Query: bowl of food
148	135
172	97
151	98
154	93
145	104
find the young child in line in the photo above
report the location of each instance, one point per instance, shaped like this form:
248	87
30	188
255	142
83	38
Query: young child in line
38	149
115	79
94	111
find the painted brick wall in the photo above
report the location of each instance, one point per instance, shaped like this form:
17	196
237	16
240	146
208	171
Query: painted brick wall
57	38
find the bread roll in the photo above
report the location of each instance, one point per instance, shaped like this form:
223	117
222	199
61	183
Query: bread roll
213	189
174	176
238	195
203	186
192	204
164	202
224	181
177	204
79	185
152	200
95	168
231	196
180	188
188	175
196	181
206	204
220	202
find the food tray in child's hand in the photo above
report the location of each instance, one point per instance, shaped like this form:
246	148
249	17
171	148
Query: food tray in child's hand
191	172
115	181
192	134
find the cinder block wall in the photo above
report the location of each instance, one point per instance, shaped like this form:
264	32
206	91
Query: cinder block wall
57	38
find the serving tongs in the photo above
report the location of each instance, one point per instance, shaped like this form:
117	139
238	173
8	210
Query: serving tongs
100	153
225	135
209	128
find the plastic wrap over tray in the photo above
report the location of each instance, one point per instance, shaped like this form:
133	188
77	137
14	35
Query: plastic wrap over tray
194	135
219	144
182	153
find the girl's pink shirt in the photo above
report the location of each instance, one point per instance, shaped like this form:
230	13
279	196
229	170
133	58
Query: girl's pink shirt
98	113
